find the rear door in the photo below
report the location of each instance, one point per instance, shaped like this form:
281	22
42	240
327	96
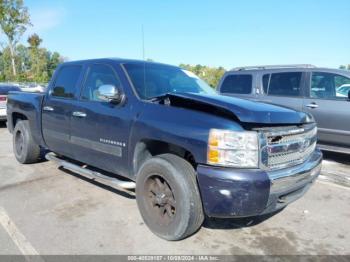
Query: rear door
284	89
327	102
57	109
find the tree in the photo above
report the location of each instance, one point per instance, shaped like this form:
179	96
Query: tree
22	63
54	59
38	59
34	41
17	61
211	75
344	67
14	19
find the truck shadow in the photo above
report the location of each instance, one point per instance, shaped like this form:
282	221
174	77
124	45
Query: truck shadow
336	157
236	223
211	223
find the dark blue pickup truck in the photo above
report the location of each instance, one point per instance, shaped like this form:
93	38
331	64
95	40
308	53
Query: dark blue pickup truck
186	150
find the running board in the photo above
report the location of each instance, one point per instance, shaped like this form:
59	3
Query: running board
89	173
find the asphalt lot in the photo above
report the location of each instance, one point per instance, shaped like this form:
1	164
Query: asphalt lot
44	210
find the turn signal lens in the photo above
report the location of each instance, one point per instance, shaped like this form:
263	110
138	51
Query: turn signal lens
213	155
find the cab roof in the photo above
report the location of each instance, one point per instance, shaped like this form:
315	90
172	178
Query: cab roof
115	60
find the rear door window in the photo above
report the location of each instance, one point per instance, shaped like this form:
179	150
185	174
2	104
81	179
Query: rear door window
66	81
237	84
284	84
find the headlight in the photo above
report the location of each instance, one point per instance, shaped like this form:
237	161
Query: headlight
233	148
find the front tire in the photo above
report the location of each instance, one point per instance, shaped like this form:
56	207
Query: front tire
168	198
25	149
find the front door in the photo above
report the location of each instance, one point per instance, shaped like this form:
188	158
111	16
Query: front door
100	129
328	103
57	109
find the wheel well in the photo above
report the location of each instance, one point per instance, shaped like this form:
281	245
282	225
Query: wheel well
146	149
16	117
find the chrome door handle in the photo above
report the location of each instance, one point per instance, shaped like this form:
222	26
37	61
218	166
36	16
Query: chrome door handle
48	108
79	114
312	105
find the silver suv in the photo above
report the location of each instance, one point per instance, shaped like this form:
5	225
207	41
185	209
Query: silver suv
323	92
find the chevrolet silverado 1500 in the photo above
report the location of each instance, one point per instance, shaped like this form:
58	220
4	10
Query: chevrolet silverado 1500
186	150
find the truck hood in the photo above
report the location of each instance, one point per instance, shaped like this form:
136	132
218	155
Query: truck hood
244	110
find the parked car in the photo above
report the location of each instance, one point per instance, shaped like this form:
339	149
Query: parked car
323	92
186	149
4	89
33	87
343	91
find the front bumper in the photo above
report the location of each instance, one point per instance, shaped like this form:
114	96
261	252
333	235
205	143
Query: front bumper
229	192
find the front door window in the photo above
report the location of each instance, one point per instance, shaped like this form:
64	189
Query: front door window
329	86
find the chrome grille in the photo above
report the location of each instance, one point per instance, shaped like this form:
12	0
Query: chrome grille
287	146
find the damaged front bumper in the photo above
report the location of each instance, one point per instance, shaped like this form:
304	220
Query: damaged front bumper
229	192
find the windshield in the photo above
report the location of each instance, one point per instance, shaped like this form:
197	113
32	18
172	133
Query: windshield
153	80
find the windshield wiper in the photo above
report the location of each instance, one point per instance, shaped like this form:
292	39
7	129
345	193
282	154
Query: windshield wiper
159	98
162	99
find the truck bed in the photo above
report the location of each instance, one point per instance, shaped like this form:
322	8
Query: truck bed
20	104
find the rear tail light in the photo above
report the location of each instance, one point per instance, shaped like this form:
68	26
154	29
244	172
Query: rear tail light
3	98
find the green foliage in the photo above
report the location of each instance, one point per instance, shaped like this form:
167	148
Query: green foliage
19	62
54	59
211	75
34	41
32	64
14	19
38	60
5	64
344	67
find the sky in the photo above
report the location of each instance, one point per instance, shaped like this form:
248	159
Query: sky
214	33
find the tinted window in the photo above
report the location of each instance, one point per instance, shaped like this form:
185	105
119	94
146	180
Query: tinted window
266	79
66	81
237	84
327	85
98	75
285	84
152	80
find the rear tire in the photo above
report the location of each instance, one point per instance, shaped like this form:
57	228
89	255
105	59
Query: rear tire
25	149
168	198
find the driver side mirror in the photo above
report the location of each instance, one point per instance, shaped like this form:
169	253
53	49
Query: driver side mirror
111	94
